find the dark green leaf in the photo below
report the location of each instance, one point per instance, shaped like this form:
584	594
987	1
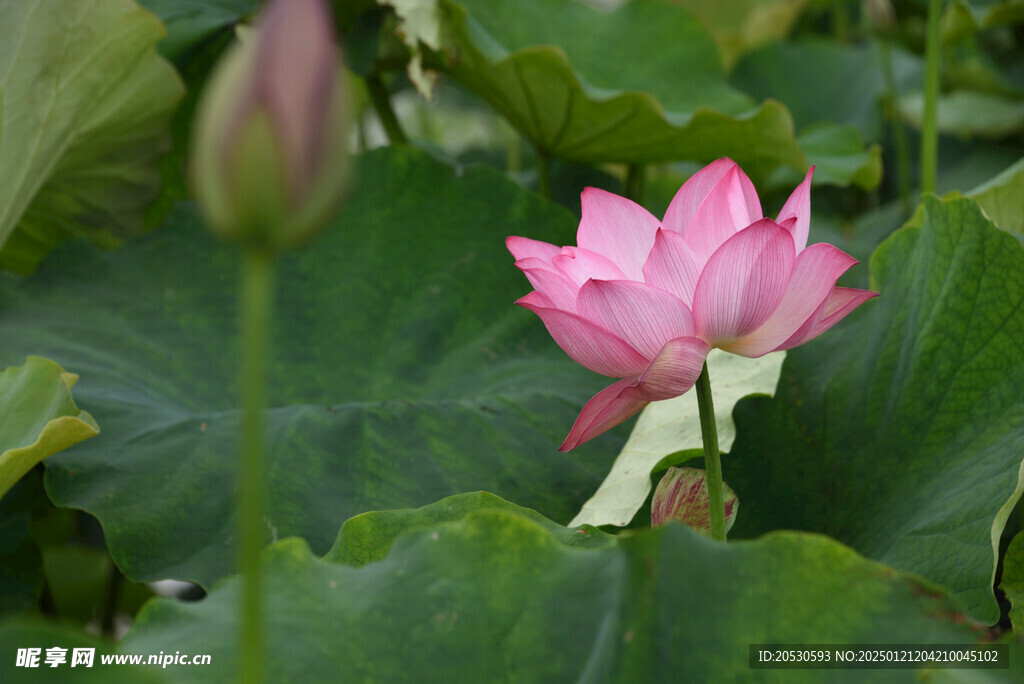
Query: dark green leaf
492	595
642	83
402	372
901	434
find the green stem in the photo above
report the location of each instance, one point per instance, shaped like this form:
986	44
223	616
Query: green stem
381	100
929	132
543	175
110	601
712	459
635	182
513	160
899	133
841	21
257	299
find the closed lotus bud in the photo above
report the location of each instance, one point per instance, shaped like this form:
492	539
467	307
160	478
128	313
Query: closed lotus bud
270	156
682	495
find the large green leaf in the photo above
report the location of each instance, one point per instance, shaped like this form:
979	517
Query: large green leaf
492	595
85	103
39	417
402	372
901	435
641	83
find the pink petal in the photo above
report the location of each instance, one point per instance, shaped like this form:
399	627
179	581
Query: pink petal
618	228
527	263
557	288
523	248
743	283
672	266
646	318
675	369
673	372
731	206
296	62
799	205
586	343
839	304
580	265
815	273
609	407
688	199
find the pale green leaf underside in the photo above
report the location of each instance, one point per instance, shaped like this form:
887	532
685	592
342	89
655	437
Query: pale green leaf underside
665	427
1002	198
84	107
39	417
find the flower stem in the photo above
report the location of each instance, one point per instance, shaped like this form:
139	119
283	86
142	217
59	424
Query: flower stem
841	20
257	298
929	132
382	104
712	460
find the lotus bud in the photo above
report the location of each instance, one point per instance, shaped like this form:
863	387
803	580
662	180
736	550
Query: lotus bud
270	146
682	495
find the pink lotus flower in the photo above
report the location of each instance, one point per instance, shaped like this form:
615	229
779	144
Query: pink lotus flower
646	301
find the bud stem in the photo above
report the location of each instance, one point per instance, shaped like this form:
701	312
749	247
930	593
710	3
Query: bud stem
257	297
712	460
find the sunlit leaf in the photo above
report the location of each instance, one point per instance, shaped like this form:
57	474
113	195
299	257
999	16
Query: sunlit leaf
1002	198
39	417
85	103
